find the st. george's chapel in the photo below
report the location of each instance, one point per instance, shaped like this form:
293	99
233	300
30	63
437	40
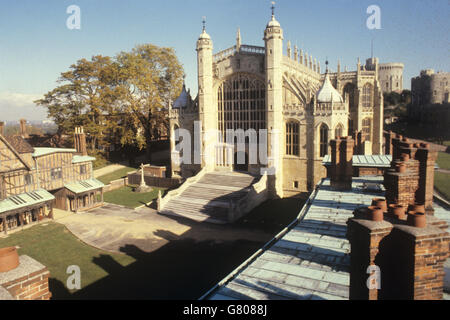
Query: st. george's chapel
251	87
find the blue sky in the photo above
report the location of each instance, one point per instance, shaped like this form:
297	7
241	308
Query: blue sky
36	46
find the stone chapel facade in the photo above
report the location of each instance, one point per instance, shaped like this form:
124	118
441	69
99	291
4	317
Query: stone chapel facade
255	88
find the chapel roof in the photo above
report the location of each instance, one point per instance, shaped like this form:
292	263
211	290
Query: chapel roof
327	93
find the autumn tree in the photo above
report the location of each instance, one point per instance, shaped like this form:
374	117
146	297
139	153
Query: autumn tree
124	98
83	98
150	77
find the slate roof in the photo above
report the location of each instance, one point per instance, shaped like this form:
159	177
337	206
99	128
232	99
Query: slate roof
310	259
20	144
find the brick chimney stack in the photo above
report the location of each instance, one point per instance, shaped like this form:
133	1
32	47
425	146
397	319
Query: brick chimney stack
358	137
2	128
410	179
80	141
23	128
426	159
341	163
396	259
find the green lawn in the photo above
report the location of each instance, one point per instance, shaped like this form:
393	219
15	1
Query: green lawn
443	160
184	268
121	173
55	247
125	196
442	183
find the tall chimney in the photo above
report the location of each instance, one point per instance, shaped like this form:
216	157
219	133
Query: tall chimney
23	128
2	128
80	141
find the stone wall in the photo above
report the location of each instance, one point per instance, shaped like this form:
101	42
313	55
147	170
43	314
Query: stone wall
115	184
135	178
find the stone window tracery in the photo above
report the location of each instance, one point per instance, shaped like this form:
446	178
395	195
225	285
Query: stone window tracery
241	103
367	96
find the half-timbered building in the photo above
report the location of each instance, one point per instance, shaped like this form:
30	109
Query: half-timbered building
35	180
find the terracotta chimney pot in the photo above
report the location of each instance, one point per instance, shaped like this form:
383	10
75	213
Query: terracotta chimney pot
9	259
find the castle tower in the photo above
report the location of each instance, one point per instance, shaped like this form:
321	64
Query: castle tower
207	111
273	39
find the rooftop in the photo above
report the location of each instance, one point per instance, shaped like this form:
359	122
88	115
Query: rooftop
84	186
20	144
38	152
25	199
327	93
378	161
309	259
77	158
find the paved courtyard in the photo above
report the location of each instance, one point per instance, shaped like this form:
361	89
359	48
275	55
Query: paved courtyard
175	258
112	227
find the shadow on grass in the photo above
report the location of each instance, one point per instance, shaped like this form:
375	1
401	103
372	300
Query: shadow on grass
185	267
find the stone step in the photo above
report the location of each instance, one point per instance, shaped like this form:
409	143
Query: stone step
217	187
195	217
208	194
209	199
228	180
194	207
210	203
185	211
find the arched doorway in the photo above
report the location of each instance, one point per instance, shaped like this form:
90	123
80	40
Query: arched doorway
240	161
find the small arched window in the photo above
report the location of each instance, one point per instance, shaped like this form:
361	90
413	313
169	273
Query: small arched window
338	131
292	138
323	140
367	96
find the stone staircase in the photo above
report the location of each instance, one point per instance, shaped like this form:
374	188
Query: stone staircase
209	198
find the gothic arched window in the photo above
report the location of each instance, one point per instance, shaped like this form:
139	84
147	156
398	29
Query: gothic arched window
292	138
367	129
241	103
323	140
349	90
367	96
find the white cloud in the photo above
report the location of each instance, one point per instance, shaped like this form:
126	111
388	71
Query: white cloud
14	106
